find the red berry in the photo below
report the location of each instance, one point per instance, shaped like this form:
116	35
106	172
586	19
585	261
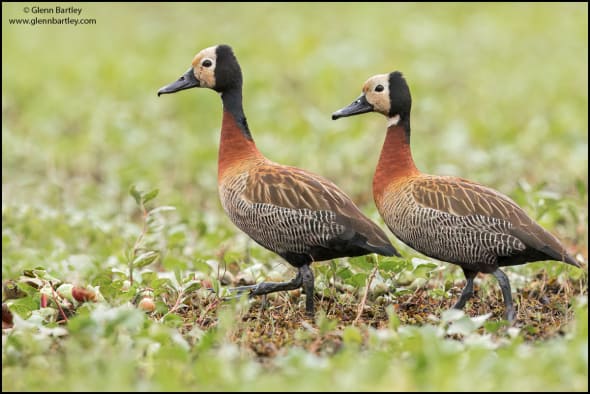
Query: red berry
147	304
81	294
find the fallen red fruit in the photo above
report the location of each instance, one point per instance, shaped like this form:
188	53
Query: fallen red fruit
7	321
147	304
81	294
44	300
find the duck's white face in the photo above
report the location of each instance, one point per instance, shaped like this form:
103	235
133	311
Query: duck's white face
376	92
215	68
204	64
374	98
200	75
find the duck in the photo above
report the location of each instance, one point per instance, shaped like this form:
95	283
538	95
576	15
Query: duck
300	216
445	217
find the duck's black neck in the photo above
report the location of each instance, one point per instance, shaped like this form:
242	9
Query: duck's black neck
232	103
405	124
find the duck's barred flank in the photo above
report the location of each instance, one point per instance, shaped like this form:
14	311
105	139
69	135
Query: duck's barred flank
277	228
471	241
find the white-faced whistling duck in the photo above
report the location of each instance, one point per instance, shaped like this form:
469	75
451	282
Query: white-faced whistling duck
300	216
448	218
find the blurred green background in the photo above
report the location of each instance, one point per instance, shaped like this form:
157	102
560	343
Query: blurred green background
500	96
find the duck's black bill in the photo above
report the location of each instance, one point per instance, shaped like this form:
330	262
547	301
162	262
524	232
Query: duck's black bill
358	106
186	81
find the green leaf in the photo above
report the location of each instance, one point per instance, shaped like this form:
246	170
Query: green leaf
161	307
148	277
440	293
394	321
423	270
178	275
365	263
24	306
163	285
352	336
422	267
150	195
161	209
135	194
172	319
401	291
173	263
357	280
145	259
191	286
344	273
495	325
394	265
27	288
83	324
325	324
202	266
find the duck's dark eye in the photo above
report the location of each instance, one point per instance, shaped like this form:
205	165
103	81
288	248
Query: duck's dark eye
379	88
207	63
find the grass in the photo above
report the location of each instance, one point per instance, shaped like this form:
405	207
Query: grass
500	97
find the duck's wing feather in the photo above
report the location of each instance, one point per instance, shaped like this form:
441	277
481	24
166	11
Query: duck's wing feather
460	197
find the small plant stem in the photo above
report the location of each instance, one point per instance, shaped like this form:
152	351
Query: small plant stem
57	303
177	303
138	241
364	299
